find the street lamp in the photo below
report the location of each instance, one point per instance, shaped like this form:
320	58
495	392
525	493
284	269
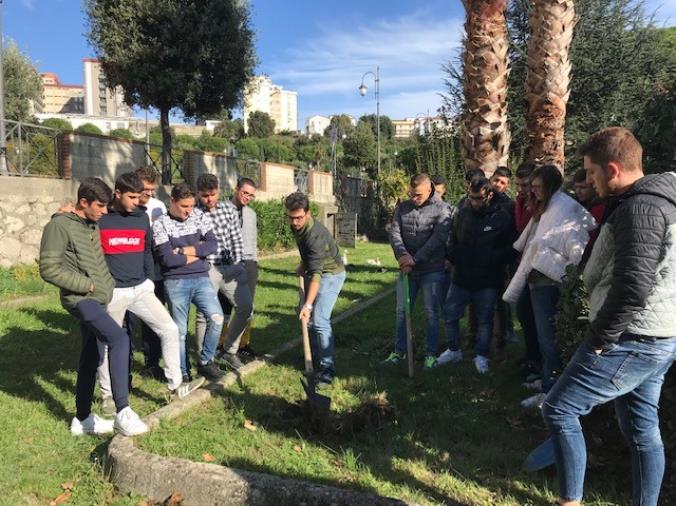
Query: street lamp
3	147
362	91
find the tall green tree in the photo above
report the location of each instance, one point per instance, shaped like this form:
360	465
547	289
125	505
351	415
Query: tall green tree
343	125
360	149
22	83
386	126
260	124
195	57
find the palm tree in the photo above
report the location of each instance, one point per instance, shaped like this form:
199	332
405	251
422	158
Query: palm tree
485	67
548	79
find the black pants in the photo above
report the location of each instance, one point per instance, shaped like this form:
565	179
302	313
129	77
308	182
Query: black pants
96	324
524	312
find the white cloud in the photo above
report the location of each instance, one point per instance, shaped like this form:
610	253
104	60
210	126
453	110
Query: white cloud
326	69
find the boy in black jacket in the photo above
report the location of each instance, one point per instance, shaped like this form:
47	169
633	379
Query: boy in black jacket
480	246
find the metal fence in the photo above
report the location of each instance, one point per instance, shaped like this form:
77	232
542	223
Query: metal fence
32	150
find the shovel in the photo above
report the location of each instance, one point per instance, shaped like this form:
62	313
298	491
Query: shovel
319	404
540	458
409	332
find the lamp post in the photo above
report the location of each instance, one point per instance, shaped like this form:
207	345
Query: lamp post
3	147
362	91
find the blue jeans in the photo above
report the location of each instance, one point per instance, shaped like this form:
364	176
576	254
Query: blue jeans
431	285
484	300
319	328
180	294
630	373
544	300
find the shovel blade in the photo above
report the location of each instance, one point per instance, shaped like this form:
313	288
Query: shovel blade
541	457
320	404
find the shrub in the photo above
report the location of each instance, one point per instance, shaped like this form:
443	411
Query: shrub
122	133
89	128
57	123
273	227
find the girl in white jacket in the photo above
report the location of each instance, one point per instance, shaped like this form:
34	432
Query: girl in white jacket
555	238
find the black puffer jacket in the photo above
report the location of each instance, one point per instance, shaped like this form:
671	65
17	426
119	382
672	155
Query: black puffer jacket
631	272
480	246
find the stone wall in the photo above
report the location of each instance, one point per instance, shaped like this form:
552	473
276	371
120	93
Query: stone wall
26	204
104	157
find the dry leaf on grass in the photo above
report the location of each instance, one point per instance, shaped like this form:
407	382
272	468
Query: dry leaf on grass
249	425
67	486
208	457
297	449
176	499
62	497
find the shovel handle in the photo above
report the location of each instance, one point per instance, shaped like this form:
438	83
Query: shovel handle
307	352
409	331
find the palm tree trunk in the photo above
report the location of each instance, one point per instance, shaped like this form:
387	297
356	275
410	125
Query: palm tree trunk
486	135
548	79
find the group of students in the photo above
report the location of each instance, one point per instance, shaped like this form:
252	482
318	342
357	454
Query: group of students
120	255
120	252
490	252
486	253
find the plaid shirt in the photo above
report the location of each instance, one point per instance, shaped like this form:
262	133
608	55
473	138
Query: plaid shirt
228	232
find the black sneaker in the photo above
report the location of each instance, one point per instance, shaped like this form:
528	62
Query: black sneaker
247	353
153	371
325	378
210	371
232	360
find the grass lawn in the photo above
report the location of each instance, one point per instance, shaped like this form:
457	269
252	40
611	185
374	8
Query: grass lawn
40	348
455	437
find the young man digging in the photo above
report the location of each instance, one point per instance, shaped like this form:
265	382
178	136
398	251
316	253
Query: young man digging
71	258
324	274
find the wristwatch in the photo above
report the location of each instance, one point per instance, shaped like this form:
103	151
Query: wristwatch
307	306
180	251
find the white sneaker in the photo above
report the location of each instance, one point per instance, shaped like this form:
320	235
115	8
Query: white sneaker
449	356
535	385
185	389
91	425
128	423
535	401
481	364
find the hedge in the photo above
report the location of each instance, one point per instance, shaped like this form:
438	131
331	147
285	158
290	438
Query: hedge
274	232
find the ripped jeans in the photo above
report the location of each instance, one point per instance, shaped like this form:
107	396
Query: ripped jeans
181	292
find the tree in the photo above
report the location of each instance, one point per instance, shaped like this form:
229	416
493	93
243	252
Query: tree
386	126
548	79
485	73
173	54
22	83
232	130
261	124
88	128
360	148
343	125
618	79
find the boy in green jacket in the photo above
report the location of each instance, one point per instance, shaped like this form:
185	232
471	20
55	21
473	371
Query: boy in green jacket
324	274
71	258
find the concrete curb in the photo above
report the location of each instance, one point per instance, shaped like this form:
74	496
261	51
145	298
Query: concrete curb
133	470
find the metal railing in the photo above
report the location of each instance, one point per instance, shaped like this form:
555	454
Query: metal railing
32	150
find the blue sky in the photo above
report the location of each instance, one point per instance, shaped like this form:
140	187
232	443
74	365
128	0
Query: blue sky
319	49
